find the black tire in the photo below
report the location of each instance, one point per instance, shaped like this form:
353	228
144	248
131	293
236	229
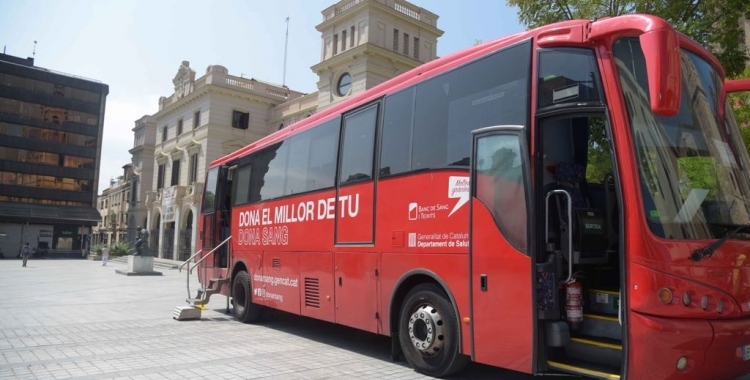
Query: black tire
245	310
443	357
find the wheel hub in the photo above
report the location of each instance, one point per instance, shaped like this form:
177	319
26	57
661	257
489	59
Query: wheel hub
426	330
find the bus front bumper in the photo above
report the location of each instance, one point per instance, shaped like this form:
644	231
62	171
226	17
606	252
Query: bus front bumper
688	349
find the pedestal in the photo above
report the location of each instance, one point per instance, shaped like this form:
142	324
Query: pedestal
139	266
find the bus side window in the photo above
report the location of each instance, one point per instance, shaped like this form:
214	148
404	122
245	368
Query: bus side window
359	144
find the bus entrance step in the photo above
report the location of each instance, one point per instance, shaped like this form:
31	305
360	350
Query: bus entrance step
598	325
184	313
218	281
595	350
602	301
585	369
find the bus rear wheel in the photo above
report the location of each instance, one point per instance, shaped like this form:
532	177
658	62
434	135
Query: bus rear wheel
428	332
245	310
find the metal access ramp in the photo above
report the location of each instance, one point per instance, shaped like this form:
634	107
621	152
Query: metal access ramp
195	306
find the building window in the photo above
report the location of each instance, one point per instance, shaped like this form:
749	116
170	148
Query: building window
164	134
281	126
406	43
196	119
159	178
193	168
179	127
345	84
395	39
343	40
351	38
415	50
335	44
175	172
240	120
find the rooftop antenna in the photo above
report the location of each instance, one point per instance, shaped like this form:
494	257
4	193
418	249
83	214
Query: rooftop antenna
286	43
33	54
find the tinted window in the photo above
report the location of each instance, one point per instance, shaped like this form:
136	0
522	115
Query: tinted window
359	141
398	116
567	75
321	164
500	185
487	92
242	184
209	195
312	159
268	172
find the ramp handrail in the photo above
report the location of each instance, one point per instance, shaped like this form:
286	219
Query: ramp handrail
190	270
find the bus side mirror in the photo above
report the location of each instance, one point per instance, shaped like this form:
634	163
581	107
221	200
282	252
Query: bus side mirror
661	49
737	85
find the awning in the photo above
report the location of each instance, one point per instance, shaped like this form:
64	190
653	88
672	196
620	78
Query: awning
22	212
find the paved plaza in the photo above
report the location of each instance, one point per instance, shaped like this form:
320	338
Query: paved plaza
74	319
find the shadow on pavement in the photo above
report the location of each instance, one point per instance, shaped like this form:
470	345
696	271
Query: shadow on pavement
360	342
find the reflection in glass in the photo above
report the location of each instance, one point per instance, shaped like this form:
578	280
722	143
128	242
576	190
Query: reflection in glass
500	185
693	166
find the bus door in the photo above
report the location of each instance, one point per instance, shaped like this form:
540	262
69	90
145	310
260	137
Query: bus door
355	257
215	214
501	269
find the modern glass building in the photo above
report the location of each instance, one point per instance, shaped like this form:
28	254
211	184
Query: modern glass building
50	143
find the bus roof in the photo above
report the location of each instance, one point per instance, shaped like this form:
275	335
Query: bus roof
419	73
568	33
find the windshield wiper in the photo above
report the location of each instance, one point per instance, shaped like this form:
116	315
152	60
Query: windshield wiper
707	251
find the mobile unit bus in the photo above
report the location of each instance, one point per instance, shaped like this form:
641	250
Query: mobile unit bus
571	198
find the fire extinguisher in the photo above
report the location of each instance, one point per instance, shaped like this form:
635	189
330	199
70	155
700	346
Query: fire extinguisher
574	303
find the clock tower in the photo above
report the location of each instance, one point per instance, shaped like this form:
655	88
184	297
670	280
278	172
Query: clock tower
366	42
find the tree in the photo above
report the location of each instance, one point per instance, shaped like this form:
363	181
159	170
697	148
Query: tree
713	23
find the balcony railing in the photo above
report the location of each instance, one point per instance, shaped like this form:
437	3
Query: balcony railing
410	10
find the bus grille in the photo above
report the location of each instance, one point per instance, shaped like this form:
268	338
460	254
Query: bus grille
312	292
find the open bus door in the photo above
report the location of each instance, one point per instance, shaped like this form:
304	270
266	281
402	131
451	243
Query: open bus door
501	269
215	212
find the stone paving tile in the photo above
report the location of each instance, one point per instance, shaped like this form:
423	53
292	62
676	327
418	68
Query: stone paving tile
74	319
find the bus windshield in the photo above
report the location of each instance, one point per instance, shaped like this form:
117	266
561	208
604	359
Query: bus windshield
693	166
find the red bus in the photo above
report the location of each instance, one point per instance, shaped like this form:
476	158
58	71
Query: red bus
573	198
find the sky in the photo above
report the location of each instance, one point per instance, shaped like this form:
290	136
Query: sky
136	46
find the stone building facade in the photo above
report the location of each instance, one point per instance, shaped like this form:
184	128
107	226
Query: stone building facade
113	207
363	43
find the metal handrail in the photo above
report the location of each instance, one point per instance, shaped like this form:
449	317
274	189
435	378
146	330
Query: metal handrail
190	270
569	228
179	269
208	254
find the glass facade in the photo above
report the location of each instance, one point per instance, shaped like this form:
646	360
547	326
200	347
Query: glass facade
50	128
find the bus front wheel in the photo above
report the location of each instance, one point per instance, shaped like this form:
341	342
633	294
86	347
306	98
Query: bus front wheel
428	332
244	309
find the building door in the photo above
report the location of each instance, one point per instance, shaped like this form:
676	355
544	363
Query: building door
501	309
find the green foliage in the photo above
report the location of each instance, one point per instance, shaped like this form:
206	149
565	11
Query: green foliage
698	173
97	248
120	248
599	155
713	23
741	107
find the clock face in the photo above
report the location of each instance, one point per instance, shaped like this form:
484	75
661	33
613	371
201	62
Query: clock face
344	84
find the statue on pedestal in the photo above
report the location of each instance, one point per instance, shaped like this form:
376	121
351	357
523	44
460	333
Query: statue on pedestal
141	240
